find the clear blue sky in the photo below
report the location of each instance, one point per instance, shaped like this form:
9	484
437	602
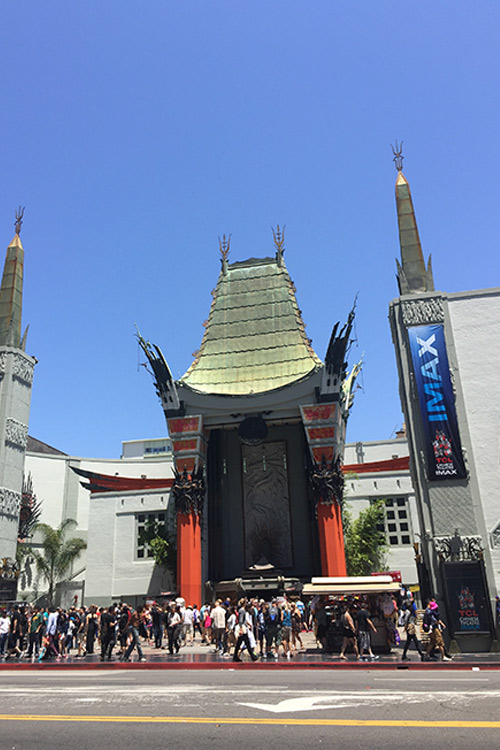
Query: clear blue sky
137	132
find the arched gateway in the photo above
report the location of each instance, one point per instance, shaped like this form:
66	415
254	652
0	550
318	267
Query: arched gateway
258	428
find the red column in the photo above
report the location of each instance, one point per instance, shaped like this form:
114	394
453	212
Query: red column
189	558
341	562
331	540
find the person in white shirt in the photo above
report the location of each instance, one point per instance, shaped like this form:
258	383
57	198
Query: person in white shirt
4	631
187	626
219	626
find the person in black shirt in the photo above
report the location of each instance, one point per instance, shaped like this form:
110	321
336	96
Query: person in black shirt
364	625
108	632
158	619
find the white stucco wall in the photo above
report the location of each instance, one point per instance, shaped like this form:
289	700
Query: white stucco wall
63	496
60	488
376	450
475	319
360	488
113	571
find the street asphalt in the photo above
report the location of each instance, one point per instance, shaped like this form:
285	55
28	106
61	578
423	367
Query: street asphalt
368	709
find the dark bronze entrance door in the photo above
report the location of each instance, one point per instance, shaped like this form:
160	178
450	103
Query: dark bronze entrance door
266	505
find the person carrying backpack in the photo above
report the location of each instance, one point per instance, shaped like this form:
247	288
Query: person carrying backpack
434	626
408	622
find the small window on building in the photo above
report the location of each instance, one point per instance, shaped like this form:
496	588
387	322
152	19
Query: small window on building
396	526
143	521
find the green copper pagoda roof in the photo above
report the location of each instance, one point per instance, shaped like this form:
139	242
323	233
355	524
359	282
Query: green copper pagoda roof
255	339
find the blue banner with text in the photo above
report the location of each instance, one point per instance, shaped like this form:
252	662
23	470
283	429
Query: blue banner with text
437	403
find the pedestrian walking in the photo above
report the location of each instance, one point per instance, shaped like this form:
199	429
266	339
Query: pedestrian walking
4	631
349	633
408	622
435	628
135	642
242	633
364	627
108	632
174	625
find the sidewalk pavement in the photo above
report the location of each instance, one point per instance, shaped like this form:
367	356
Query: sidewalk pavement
201	656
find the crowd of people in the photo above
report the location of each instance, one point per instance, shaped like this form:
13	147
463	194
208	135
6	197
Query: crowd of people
262	629
353	620
119	630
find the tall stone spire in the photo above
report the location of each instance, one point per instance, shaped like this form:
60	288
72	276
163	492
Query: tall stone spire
413	277
16	379
11	290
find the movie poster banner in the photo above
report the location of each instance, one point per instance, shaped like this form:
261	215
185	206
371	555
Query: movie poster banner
468	606
437	404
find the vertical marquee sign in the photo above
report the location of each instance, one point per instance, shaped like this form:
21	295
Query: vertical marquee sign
437	404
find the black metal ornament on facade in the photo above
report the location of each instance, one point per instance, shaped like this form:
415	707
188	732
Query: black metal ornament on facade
458	548
252	430
188	491
327	482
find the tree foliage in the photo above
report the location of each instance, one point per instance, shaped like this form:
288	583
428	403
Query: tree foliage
30	512
56	554
161	542
365	541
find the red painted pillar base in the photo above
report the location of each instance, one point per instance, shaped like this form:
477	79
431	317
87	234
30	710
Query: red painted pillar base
331	540
189	558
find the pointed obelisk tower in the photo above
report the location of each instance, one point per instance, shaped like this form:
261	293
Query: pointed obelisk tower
413	276
16	377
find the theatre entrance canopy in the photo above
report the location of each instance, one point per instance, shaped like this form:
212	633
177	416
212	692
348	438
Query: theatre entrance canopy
258	429
351	586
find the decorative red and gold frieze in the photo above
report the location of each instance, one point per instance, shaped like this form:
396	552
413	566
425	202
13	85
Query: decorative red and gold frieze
322	425
189	442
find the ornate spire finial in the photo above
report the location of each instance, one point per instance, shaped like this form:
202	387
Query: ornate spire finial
279	239
224	247
398	156
19	219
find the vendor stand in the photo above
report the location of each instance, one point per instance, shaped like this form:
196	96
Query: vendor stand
337	592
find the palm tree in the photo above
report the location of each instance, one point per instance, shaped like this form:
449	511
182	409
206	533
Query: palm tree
56	555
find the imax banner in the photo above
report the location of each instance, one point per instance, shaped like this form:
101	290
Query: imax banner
437	405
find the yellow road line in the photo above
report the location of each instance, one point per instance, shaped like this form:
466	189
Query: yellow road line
276	722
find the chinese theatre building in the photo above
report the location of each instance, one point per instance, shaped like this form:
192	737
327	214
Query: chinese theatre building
257	425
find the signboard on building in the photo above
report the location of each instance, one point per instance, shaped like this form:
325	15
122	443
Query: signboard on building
437	404
395	574
468	607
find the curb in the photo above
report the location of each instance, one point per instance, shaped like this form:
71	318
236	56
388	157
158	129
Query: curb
352	666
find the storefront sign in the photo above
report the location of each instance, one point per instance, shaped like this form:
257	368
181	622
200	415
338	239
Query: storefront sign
437	403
